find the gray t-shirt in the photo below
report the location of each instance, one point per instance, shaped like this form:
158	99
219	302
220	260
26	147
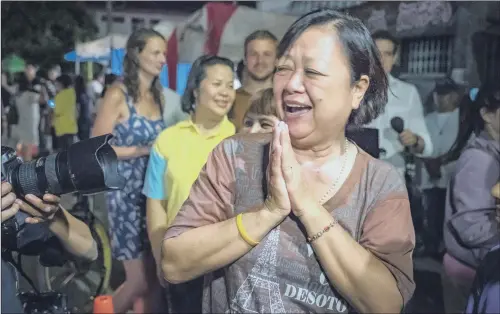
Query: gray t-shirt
172	111
282	274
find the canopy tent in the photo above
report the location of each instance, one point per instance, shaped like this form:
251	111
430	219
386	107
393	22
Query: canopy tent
99	50
219	28
101	47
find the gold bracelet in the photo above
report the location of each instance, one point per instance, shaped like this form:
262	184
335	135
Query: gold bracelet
243	233
320	233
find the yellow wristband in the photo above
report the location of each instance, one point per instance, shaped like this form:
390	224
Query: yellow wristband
243	232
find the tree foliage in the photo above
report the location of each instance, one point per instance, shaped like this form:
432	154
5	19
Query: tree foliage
42	32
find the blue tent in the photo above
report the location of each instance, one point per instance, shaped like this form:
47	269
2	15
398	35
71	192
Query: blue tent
116	59
117	67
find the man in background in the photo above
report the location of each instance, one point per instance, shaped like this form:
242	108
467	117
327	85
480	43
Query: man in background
404	102
399	149
95	88
435	173
260	56
47	133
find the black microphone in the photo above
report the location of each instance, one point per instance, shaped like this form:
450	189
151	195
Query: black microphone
398	124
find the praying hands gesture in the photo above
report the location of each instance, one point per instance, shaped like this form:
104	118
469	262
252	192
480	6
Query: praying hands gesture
287	189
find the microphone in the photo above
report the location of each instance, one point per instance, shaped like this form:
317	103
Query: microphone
398	124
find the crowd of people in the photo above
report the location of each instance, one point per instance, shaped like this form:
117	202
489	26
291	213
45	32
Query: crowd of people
255	199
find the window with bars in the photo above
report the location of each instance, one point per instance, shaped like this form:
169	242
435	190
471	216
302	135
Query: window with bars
426	55
486	48
137	23
115	19
153	23
302	7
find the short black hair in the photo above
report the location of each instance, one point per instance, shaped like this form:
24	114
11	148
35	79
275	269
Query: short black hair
262	103
65	80
196	75
240	67
258	34
386	35
360	51
446	85
488	98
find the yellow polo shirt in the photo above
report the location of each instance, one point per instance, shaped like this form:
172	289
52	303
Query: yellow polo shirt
177	157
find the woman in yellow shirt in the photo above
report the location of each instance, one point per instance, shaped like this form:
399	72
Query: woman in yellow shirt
179	154
65	124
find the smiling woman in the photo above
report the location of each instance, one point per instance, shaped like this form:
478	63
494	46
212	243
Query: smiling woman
180	152
301	217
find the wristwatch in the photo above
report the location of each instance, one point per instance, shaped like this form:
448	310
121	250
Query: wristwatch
416	142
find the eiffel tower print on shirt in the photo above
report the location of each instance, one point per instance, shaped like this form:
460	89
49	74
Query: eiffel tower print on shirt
260	292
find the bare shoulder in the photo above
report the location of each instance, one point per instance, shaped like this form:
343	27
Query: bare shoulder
115	94
114	101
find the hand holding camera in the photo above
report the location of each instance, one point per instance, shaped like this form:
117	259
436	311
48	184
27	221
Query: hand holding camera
39	210
9	207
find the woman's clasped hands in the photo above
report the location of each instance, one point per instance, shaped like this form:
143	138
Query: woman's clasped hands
287	189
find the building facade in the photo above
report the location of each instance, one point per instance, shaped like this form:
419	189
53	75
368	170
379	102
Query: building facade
438	38
127	18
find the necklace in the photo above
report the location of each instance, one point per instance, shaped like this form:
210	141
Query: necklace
342	169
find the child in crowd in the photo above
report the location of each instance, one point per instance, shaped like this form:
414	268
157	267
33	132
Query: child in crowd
261	116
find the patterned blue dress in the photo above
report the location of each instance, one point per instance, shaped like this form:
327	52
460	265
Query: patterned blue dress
127	207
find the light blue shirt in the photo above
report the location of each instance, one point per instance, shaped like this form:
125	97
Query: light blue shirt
154	183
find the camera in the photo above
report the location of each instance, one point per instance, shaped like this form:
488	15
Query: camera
87	167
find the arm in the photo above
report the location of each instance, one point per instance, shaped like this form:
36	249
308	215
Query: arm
108	115
476	173
417	125
156	203
195	253
189	249
58	107
156	218
74	235
381	259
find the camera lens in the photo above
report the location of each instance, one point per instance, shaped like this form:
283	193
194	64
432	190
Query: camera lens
88	166
45	175
24	180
